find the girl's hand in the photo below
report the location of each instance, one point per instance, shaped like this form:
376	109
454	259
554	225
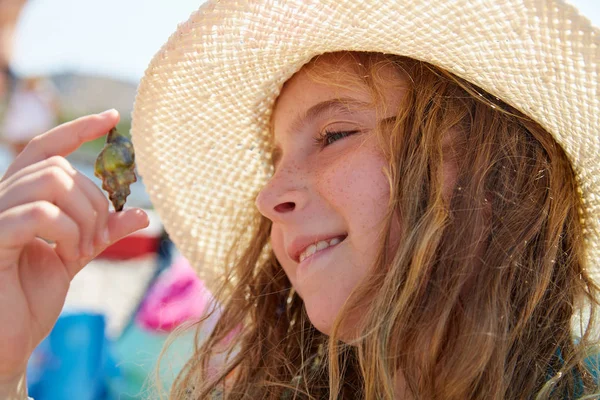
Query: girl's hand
53	220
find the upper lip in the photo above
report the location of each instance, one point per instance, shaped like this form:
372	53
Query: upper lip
300	243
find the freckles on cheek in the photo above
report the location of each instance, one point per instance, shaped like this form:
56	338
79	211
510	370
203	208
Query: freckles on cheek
358	189
336	181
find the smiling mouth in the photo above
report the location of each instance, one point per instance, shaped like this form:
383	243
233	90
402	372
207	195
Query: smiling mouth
320	245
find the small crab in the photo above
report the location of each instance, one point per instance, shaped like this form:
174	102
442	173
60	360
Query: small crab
115	166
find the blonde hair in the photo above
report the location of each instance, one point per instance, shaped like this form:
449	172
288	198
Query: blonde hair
475	302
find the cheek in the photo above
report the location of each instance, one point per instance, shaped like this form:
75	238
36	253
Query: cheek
358	190
280	252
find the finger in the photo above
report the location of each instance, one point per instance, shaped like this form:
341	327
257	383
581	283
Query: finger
91	190
126	222
97	219
121	224
98	200
101	206
30	169
64	139
22	224
55	185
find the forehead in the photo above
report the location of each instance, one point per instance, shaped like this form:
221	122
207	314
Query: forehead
359	80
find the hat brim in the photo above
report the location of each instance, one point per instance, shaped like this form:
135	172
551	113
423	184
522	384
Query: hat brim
200	120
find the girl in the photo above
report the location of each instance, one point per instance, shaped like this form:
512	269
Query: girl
390	200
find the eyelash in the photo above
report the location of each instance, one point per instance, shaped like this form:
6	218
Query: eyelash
325	138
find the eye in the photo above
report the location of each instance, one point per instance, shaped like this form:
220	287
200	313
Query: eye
326	138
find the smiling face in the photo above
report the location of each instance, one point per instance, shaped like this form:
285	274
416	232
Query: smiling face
329	194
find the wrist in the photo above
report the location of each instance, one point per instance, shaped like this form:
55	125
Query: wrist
14	389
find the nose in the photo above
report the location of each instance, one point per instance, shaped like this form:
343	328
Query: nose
285	194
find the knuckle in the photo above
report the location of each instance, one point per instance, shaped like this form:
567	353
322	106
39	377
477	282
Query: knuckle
59	161
41	210
55	175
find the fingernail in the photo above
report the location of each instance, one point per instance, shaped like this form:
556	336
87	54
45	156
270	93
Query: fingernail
105	236
89	250
144	214
111	111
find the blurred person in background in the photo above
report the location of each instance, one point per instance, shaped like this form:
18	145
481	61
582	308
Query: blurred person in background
7	83
32	109
10	11
9	14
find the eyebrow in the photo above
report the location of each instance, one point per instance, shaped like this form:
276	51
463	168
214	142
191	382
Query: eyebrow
343	105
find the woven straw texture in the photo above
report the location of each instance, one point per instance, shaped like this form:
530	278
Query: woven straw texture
201	114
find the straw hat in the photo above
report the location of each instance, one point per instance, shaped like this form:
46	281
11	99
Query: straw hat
202	109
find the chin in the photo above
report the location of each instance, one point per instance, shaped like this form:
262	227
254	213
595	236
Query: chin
320	318
323	321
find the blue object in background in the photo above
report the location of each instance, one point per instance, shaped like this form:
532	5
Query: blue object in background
70	362
137	352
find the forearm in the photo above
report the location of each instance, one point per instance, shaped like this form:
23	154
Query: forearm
14	389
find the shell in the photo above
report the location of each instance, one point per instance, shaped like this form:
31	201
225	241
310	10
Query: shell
115	165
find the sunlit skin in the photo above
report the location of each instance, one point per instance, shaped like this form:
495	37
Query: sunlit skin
327	188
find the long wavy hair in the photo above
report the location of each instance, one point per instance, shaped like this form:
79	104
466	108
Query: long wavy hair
478	299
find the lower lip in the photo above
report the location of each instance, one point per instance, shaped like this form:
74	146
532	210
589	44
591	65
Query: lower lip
307	263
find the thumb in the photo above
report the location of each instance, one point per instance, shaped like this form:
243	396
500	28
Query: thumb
123	223
119	224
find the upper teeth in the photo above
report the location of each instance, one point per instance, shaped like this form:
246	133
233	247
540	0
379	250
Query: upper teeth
313	248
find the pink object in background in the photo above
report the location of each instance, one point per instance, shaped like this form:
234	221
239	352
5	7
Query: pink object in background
178	295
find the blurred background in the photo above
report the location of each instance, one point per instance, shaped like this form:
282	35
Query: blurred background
61	59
